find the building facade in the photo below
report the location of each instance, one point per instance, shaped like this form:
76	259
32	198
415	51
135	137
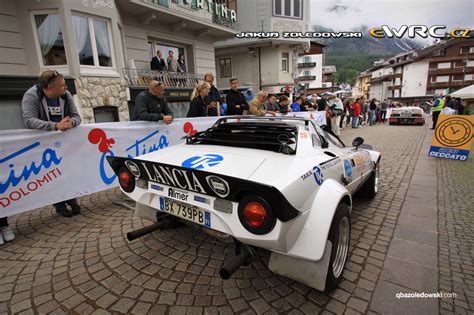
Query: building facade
310	67
270	64
104	49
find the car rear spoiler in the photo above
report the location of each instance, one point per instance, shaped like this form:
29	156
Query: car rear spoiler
206	183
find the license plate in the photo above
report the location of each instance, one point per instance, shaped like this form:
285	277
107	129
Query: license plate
186	212
405	115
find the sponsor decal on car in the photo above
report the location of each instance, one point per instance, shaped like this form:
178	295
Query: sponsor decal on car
178	194
348	169
133	168
329	163
203	161
307	174
218	185
318	175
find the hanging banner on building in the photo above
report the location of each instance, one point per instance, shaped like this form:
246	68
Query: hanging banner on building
39	168
453	137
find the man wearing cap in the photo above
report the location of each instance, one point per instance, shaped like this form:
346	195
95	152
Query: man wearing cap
49	106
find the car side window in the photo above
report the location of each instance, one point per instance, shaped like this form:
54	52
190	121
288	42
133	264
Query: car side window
333	140
316	136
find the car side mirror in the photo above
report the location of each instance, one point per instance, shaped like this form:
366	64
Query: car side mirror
357	142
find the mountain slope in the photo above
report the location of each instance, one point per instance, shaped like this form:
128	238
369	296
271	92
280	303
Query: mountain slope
353	55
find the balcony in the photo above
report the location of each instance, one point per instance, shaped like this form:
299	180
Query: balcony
394	87
306	64
456	70
178	15
307	78
461	83
141	78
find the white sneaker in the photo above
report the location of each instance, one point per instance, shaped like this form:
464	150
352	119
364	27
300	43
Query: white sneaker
8	234
1	239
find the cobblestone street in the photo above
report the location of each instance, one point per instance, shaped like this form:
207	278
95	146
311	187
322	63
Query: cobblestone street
410	238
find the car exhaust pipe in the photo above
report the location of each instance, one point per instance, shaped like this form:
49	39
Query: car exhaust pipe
133	235
234	263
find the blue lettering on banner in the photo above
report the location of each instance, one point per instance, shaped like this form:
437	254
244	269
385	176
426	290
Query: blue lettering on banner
447	153
203	161
48	158
103	162
136	149
140	147
318	175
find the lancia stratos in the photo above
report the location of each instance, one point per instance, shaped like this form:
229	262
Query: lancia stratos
279	184
407	116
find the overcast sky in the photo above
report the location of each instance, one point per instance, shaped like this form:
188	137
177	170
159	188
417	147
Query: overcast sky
344	15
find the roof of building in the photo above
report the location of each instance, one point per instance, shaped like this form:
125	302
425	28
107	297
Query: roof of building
329	69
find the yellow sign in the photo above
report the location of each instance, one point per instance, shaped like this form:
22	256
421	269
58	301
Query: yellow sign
453	137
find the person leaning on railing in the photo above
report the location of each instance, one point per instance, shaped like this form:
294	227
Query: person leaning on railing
49	106
151	105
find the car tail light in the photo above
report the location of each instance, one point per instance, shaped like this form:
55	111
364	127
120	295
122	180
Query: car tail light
256	215
126	180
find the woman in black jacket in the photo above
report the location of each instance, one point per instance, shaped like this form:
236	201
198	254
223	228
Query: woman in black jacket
198	107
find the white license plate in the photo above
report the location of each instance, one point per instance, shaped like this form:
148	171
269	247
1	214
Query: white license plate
186	212
405	115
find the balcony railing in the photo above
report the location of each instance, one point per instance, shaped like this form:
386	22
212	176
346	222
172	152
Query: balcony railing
136	77
307	77
306	64
460	83
190	11
455	70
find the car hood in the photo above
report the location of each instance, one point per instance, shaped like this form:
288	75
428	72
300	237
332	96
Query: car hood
230	161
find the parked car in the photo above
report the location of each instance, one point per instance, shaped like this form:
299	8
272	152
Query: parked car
282	184
407	116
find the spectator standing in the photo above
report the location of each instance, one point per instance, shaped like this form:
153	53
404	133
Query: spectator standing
283	104
322	103
437	108
236	103
372	112
364	113
49	106
151	105
337	108
296	106
383	110
271	104
198	107
213	100
356	107
157	62
256	106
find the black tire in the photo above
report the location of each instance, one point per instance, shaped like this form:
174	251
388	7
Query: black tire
370	187
339	249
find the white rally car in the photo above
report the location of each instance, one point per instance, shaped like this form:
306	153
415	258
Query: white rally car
407	116
281	184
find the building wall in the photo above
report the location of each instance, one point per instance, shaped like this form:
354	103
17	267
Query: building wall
12	54
316	71
270	61
243	64
414	79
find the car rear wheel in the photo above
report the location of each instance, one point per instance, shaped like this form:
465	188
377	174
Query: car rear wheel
370	187
339	236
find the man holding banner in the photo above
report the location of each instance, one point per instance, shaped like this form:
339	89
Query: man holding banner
49	106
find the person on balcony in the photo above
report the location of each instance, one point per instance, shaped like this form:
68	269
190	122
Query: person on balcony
172	62
157	62
182	64
151	105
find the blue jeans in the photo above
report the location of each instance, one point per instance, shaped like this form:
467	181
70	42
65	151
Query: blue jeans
372	117
355	121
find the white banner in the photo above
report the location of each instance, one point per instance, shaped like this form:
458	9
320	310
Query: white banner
39	168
